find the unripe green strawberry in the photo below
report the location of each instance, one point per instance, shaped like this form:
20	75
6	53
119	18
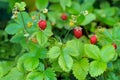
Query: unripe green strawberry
42	24
77	32
93	39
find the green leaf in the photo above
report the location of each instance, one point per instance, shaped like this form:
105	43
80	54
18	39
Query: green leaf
13	75
87	5
22	6
41	67
109	21
20	63
65	61
80	19
5	67
88	19
49	74
31	63
105	4
74	47
65	3
23	16
104	36
81	68
41	38
54	52
107	53
41	53
116	32
56	67
74	8
17	38
55	8
92	51
48	30
97	68
13	28
41	4
54	1
35	76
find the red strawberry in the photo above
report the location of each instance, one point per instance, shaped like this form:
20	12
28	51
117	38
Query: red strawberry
42	24
93	39
77	32
64	16
114	45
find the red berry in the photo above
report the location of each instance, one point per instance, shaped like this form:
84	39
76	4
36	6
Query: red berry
114	45
64	16
77	32
93	39
42	24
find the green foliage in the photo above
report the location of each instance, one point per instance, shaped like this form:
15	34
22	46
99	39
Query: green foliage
97	68
13	28
65	3
41	4
54	53
80	69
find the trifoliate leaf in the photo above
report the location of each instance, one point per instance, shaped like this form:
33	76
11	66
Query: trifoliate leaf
74	47
88	18
92	51
49	74
48	30
41	38
13	75
116	32
5	67
40	4
20	63
104	36
65	3
97	68
41	67
35	76
31	63
65	61
81	68
17	38
54	52
107	53
13	28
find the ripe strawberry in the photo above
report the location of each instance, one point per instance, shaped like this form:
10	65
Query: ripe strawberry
114	45
77	32
42	24
93	39
64	16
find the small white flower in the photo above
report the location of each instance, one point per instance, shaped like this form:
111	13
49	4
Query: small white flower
85	12
45	10
14	16
26	34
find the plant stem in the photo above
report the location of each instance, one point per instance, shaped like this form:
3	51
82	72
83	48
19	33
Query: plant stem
23	23
86	32
67	34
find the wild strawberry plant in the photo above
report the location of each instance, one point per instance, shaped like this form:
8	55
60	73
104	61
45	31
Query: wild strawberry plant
63	40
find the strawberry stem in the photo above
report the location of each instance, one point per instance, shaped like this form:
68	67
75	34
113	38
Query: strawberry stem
23	23
67	33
